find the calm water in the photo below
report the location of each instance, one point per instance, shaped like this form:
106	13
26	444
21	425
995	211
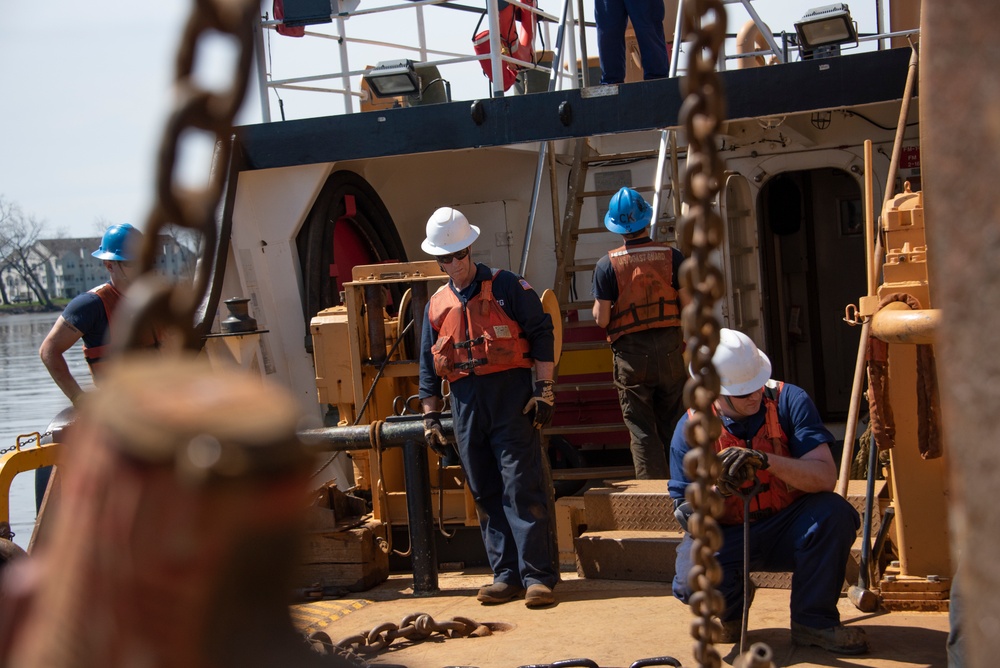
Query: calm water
28	401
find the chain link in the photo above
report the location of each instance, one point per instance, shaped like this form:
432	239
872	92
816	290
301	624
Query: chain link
702	231
153	302
28	440
415	627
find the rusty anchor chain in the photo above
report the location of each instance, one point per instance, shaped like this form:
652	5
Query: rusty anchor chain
702	231
153	301
415	627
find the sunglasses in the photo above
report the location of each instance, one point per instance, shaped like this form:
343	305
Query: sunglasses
458	255
744	396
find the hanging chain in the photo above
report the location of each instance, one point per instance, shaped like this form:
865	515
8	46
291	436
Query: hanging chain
153	302
702	232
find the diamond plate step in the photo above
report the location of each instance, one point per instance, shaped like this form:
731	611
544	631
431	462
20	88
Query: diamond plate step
627	555
631	505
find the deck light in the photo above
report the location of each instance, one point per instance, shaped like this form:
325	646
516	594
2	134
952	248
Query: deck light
826	26
392	78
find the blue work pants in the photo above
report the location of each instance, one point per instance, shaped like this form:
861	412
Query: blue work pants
612	18
501	454
812	538
650	376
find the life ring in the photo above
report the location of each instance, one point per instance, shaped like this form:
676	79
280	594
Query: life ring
748	40
517	33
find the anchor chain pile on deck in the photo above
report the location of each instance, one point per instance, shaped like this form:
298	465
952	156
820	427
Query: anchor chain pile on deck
414	627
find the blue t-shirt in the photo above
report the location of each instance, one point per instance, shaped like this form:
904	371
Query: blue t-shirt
86	313
606	282
518	300
797	415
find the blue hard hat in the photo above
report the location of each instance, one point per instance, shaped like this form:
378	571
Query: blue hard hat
628	212
120	243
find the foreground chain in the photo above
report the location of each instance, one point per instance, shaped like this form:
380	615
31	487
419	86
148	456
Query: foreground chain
153	302
702	232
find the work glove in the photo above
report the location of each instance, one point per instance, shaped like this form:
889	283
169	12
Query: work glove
434	434
542	402
739	466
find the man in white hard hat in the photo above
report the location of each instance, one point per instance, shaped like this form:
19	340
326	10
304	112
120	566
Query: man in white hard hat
484	332
638	299
773	431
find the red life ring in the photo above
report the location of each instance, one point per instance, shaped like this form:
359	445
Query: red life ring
517	32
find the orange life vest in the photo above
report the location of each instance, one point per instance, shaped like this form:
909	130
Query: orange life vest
479	338
515	41
774	494
646	295
95	354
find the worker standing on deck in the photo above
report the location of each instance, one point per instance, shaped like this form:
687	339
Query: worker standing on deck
612	17
88	317
638	298
484	332
773	431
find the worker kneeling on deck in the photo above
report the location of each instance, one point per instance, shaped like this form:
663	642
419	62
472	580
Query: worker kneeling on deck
773	431
484	332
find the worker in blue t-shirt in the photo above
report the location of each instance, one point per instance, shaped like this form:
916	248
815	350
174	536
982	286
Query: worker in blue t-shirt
638	299
88	316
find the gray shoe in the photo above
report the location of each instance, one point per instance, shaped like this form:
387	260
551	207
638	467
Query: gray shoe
838	639
539	595
498	592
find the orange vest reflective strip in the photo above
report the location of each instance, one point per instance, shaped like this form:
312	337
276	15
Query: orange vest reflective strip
646	295
479	338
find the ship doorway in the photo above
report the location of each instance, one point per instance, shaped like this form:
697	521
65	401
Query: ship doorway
813	264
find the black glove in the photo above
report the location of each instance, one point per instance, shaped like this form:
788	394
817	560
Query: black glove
739	466
542	403
434	434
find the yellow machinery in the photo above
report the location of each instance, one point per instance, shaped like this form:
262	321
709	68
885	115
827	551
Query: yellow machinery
366	366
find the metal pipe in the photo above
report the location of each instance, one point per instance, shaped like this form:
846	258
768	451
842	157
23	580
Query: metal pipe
897	323
496	65
675	52
419	516
388	434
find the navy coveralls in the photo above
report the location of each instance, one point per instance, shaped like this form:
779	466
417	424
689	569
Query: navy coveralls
812	537
499	448
612	18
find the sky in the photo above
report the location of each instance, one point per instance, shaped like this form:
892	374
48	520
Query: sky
88	87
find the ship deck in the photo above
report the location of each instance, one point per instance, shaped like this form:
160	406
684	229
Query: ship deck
610	622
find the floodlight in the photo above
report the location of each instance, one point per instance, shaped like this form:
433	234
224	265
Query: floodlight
826	26
392	78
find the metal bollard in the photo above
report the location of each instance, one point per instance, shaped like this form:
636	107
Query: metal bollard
176	526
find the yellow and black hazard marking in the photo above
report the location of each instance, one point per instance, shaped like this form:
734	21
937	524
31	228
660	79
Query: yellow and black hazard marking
311	617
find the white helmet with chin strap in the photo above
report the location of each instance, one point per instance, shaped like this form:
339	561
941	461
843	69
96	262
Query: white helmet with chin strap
742	368
448	230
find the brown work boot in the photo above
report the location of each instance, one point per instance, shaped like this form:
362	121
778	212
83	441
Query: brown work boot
498	592
731	631
838	639
539	595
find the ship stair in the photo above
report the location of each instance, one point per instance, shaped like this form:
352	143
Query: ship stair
626	530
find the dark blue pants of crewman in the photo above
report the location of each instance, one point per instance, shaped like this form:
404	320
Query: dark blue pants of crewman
812	538
501	455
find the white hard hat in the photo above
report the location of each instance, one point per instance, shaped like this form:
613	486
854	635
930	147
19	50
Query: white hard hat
742	368
448	230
